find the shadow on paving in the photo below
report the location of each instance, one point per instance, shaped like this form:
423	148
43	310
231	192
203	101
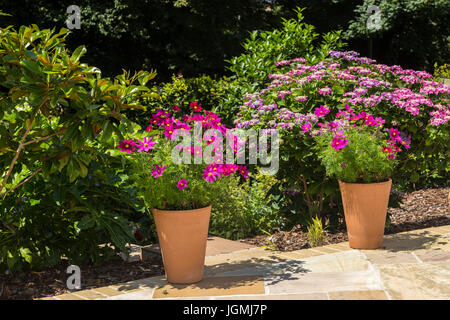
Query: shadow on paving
273	268
413	241
232	274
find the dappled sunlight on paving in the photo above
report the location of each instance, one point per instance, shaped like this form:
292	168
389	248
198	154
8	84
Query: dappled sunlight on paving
409	265
215	286
415	240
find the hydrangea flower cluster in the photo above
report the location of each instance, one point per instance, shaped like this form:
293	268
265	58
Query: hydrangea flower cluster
344	78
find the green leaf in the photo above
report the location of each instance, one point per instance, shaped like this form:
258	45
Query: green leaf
83	169
72	170
76	55
86	222
32	66
10	260
63	162
26	254
77	142
107	130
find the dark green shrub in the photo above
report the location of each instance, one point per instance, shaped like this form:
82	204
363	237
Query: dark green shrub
212	94
57	115
442	73
87	221
246	210
293	39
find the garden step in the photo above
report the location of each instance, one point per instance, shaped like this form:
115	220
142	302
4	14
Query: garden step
214	246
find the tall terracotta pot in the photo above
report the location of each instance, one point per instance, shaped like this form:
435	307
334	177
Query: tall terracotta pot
182	238
365	209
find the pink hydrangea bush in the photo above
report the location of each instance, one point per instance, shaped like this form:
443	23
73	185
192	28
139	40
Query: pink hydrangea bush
302	98
165	183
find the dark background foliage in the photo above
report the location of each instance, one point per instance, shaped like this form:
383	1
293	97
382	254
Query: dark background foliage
197	36
191	38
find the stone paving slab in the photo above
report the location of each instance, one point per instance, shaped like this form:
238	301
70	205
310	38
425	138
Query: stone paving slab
377	257
217	286
359	295
324	282
410	265
242	259
302	296
432	255
144	294
417	281
335	262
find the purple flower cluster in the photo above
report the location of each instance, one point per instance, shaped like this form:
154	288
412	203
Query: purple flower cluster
367	85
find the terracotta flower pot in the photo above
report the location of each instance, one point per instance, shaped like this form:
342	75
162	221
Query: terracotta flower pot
365	209
182	238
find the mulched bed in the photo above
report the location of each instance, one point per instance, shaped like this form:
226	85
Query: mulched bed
419	209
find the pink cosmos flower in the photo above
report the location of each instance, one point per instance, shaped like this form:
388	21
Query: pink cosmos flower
229	169
243	171
210	139
337	143
197	151
332	125
159	117
210	175
322	111
380	121
305	127
146	144
182	184
387	149
370	121
404	140
158	171
393	145
195	106
169	132
175	108
394	134
127	146
217	168
149	128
